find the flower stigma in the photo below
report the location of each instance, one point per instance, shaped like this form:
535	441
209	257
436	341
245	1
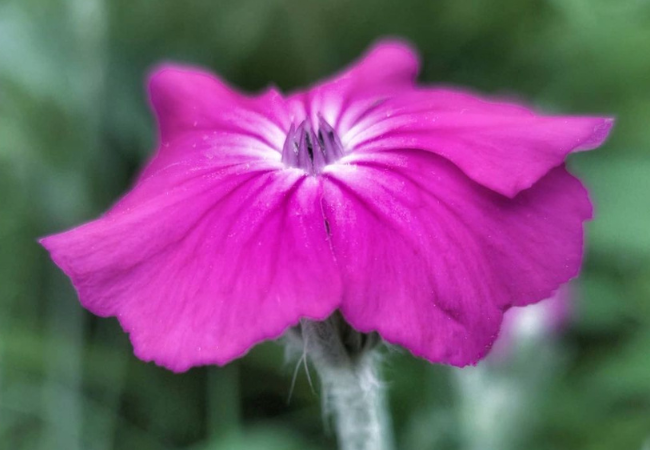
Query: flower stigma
309	149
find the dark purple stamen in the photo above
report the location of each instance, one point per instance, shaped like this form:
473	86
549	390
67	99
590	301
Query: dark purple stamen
311	150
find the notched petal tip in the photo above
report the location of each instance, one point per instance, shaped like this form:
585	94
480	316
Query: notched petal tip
49	243
185	97
601	128
395	54
165	79
165	75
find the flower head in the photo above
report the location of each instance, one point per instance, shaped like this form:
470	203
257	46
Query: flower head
420	213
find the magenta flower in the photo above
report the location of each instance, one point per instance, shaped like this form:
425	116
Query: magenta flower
420	213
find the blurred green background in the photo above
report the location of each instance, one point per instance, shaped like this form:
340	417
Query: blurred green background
75	128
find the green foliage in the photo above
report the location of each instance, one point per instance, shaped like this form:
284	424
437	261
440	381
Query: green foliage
75	128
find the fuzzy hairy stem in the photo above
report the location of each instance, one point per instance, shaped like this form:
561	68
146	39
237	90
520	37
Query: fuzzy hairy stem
347	365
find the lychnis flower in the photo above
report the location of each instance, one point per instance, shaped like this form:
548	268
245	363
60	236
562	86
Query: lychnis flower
420	213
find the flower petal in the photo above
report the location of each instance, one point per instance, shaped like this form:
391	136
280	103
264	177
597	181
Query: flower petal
200	272
502	146
389	66
190	103
431	259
